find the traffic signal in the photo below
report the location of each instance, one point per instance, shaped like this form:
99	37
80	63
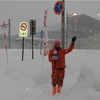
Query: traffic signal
32	27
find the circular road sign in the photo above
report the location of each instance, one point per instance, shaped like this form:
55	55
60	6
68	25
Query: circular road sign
59	7
23	26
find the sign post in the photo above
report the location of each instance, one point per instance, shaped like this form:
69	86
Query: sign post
41	36
63	27
59	9
23	49
23	32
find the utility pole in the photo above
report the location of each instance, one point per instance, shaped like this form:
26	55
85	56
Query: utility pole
67	29
63	27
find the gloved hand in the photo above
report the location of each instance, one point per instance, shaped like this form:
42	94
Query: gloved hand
74	39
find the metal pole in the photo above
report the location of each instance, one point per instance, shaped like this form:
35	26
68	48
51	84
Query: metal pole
9	32
23	49
32	46
66	29
63	27
41	47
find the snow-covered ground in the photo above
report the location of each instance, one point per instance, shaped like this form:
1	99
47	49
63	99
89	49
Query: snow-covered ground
30	79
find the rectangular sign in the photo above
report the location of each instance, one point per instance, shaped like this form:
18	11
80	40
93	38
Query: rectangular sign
23	29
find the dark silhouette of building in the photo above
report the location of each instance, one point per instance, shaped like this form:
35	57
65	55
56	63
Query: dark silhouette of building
86	28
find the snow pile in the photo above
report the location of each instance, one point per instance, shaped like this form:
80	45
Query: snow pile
88	82
90	75
29	80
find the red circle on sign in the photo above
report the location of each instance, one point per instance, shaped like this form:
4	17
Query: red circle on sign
23	26
61	10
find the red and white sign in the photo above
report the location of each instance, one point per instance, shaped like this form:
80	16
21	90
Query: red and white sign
46	48
45	18
23	26
23	29
59	7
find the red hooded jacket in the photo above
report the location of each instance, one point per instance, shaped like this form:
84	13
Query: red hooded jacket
60	62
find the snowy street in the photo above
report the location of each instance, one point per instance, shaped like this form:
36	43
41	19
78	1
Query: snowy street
28	79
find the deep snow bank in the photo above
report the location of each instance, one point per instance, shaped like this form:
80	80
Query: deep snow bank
90	75
88	83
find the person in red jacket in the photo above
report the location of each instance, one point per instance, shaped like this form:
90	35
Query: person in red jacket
57	59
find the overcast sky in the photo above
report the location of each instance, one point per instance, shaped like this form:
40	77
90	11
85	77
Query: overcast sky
24	10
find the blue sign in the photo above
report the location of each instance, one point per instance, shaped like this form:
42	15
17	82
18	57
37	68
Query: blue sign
59	7
41	34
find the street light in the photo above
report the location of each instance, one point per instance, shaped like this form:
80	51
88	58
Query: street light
98	14
74	14
67	25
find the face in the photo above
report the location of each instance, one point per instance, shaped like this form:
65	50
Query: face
57	46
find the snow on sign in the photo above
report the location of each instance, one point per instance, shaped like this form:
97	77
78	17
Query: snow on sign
23	29
59	7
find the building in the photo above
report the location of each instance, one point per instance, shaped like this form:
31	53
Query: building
87	30
84	27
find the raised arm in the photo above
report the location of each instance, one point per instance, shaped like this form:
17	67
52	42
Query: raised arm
71	45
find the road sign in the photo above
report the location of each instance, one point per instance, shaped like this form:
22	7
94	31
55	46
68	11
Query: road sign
59	7
41	34
23	29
